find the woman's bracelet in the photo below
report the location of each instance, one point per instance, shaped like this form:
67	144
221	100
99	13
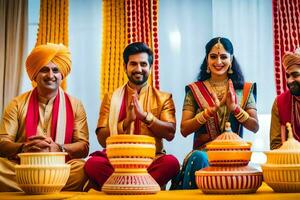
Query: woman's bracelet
203	116
240	114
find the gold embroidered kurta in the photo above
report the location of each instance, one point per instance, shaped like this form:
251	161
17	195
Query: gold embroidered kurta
159	103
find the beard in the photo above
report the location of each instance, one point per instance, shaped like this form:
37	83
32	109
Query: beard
294	88
138	82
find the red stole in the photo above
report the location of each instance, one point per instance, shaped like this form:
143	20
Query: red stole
122	115
32	117
289	111
204	100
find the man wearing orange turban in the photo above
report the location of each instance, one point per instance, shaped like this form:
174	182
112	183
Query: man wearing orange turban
44	119
43	54
286	107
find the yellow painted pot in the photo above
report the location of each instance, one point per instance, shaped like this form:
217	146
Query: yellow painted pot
130	155
282	169
228	149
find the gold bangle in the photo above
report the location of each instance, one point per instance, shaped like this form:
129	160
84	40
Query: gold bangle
200	118
207	114
242	116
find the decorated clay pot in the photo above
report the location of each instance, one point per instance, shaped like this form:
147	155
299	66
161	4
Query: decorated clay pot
40	173
130	155
282	169
228	149
228	180
228	173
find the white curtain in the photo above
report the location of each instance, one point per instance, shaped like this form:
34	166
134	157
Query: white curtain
13	41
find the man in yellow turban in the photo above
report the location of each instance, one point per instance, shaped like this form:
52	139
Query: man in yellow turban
286	107
45	119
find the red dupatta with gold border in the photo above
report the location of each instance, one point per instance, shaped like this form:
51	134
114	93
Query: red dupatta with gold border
204	99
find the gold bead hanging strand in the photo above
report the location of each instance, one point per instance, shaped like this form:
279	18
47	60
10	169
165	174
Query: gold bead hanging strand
52	23
105	46
112	46
56	30
61	20
117	45
122	43
66	26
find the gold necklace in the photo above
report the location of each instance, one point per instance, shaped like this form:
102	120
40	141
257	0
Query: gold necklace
218	83
219	87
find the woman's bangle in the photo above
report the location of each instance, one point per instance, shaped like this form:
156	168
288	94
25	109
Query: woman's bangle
240	114
200	118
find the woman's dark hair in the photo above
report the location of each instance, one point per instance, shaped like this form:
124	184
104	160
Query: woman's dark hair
137	47
237	76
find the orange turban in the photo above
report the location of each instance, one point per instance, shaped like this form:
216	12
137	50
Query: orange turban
43	54
290	59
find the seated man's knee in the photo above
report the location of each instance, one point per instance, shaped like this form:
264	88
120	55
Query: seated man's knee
173	162
77	176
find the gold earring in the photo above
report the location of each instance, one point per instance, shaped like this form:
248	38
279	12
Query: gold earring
207	70
230	71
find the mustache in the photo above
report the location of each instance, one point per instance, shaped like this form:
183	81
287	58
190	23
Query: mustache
294	88
141	73
292	84
50	79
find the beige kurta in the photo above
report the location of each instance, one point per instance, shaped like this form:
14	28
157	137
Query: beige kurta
12	135
160	104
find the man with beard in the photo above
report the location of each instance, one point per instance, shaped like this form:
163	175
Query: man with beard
44	119
286	107
151	111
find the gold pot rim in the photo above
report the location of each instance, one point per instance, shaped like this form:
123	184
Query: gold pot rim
122	138
42	154
42	166
280	166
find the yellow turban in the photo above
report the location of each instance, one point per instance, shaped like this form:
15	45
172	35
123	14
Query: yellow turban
290	59
43	54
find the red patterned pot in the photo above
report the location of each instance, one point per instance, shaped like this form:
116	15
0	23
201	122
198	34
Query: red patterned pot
228	180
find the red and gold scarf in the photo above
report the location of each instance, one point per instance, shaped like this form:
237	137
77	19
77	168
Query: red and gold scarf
32	116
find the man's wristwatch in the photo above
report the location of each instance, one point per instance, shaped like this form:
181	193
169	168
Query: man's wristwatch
149	118
61	147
